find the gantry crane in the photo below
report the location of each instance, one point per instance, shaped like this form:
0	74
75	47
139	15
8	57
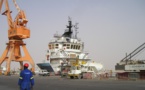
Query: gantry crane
16	33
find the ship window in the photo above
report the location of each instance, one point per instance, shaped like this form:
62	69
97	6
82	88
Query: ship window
78	47
49	46
64	44
74	46
71	46
56	45
68	46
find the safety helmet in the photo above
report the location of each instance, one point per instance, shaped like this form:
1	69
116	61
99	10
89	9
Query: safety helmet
26	65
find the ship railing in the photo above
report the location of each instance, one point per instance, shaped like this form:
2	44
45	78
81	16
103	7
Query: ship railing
57	35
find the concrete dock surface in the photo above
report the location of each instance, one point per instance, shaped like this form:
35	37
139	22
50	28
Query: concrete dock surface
58	83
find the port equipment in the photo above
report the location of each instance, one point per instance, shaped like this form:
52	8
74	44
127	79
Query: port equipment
129	68
128	58
17	31
75	70
134	52
80	69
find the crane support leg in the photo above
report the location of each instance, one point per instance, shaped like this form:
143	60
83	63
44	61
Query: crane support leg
21	65
8	62
4	55
28	57
13	53
6	58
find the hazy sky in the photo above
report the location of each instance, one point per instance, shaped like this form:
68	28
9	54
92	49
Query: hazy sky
109	28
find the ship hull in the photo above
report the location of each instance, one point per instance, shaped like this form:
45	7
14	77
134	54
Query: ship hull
45	66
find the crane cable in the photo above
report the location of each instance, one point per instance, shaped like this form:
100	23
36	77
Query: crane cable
16	5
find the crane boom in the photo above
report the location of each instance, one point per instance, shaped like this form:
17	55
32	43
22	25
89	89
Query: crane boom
20	19
1	3
7	12
134	52
16	5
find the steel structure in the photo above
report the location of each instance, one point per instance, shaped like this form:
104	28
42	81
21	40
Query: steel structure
16	33
134	52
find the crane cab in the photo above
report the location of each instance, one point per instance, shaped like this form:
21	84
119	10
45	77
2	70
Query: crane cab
19	33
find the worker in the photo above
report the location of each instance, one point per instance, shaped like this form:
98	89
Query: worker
26	80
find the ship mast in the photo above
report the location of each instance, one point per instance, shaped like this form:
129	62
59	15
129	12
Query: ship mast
70	24
69	32
76	31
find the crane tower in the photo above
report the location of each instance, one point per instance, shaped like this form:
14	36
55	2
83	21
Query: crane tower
17	31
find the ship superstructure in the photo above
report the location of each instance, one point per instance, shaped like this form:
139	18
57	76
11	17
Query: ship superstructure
64	49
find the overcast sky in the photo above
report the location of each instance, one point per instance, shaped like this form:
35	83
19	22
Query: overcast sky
109	28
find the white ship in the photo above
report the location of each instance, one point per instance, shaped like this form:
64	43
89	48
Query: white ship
65	48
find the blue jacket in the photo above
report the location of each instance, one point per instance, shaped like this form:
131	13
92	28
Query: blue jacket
26	80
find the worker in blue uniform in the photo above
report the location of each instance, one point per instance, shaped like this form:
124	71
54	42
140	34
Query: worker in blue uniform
26	79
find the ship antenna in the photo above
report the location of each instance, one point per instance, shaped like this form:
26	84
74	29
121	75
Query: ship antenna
76	31
69	18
